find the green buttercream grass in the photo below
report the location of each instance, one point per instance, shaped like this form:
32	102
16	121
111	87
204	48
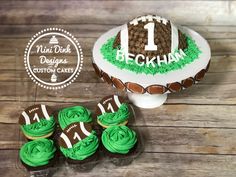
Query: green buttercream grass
109	53
37	152
115	118
39	129
83	149
119	139
73	114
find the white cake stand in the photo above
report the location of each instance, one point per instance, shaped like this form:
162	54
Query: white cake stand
145	98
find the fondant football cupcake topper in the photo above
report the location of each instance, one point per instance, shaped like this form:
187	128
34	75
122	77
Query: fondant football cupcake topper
149	57
112	110
74	133
34	113
78	142
37	121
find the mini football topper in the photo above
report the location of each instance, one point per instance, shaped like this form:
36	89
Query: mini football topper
34	113
74	133
108	104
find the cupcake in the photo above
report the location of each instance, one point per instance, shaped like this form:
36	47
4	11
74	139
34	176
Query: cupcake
111	111
37	156
37	121
73	114
120	143
79	144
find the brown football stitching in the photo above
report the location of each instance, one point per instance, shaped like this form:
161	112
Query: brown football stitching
151	89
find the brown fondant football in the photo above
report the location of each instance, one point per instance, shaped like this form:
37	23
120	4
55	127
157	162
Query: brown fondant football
109	104
74	133
150	36
34	113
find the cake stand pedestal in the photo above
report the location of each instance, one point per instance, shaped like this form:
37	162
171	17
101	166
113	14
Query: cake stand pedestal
150	91
147	100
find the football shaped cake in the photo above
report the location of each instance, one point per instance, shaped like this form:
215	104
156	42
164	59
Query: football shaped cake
150	36
150	56
150	44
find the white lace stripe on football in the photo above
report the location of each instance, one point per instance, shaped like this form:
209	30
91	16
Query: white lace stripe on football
174	38
84	129
117	101
101	108
124	40
27	119
66	139
45	112
149	18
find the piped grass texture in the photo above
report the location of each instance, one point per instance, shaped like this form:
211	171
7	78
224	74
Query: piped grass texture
109	53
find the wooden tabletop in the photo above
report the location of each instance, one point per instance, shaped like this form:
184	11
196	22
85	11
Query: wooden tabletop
192	135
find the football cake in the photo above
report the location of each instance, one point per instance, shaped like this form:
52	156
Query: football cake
150	36
149	44
151	55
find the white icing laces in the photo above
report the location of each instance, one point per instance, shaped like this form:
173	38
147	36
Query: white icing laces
149	18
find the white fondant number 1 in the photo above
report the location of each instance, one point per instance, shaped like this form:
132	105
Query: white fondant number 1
150	44
36	117
109	107
76	136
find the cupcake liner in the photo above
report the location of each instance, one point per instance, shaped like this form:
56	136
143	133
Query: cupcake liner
122	159
85	165
42	173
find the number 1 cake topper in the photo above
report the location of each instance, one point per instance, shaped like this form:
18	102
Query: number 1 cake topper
108	104
74	133
149	57
35	113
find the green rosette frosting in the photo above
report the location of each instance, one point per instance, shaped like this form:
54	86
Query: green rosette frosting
74	114
119	139
109	53
38	152
115	118
38	129
83	149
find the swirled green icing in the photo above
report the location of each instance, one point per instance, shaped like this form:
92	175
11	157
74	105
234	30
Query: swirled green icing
115	118
73	114
37	152
38	129
83	149
109	53
119	139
